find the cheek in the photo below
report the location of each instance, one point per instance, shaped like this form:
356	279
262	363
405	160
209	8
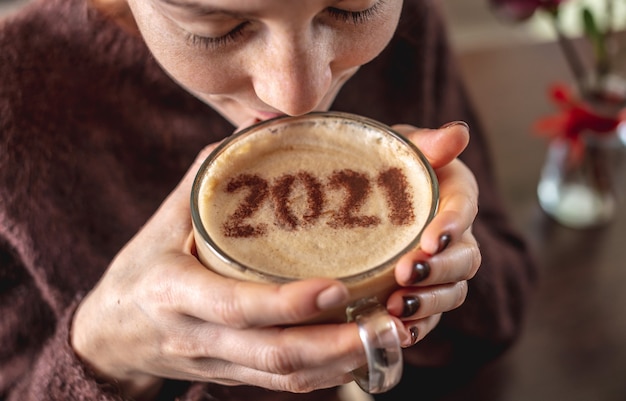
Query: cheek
368	42
194	68
198	73
356	53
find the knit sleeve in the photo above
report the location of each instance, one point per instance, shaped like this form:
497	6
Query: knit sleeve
37	362
57	374
36	359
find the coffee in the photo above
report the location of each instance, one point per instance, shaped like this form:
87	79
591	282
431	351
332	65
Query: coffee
322	195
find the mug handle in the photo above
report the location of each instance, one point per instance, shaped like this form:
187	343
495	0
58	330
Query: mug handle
381	342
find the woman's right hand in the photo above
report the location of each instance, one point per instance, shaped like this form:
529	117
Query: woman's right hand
158	313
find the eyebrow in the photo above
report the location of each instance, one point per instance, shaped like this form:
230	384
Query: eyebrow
200	9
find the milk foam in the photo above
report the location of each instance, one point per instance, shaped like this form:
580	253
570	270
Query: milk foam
314	248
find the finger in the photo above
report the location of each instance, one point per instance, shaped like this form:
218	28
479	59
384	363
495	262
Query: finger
242	304
227	373
171	223
440	146
420	302
298	358
300	382
460	262
178	200
275	350
458	206
418	329
230	374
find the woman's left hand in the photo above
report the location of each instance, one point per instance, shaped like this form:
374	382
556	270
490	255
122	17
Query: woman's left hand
434	277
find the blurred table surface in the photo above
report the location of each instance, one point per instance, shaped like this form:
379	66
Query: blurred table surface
574	344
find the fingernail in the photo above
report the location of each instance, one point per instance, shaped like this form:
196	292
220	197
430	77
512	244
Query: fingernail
332	297
410	305
455	123
414	334
421	270
413	331
444	241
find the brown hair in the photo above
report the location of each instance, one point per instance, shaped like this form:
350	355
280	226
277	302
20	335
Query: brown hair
118	11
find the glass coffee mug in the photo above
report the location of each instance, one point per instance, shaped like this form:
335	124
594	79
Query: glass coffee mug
326	194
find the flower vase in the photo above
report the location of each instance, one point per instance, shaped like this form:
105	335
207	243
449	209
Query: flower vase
581	183
582	179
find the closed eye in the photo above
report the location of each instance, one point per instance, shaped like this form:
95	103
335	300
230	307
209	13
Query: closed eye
356	17
219	41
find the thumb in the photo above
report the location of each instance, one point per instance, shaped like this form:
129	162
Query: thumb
440	146
179	197
172	218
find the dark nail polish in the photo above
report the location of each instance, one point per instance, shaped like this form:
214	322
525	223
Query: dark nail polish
410	306
414	333
444	241
454	123
421	270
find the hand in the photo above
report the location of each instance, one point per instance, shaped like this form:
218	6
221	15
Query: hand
433	280
158	313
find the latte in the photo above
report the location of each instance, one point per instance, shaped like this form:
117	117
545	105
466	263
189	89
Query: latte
322	195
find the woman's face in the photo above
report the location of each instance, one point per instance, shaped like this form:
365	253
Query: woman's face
254	59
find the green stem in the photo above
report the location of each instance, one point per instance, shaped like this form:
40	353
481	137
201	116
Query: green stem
608	33
571	55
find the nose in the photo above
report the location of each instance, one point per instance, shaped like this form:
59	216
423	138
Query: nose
293	73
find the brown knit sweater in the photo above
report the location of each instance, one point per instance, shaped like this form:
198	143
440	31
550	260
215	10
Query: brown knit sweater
93	135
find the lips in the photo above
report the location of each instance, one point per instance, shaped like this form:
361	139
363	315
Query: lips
266	115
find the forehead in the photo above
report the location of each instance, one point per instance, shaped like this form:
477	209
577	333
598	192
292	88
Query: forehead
257	7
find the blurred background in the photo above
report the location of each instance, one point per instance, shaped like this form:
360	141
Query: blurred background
574	345
473	25
7	6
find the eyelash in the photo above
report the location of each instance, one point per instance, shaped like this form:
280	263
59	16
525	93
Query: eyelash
214	43
356	17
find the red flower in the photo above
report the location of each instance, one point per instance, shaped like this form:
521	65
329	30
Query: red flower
519	10
574	119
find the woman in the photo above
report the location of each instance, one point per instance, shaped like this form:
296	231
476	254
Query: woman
103	109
